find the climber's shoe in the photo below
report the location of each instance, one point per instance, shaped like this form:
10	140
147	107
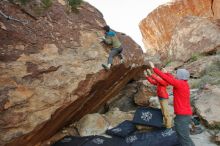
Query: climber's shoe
196	130
106	67
196	126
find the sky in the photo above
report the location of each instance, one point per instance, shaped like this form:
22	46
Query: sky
125	15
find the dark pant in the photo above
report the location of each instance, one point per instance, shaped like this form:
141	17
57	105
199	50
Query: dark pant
181	123
113	53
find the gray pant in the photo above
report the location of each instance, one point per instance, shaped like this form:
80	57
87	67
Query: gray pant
113	53
181	123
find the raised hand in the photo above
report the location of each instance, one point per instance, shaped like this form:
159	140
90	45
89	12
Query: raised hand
164	70
145	73
149	72
151	64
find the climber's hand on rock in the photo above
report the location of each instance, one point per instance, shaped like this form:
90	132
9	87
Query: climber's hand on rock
101	39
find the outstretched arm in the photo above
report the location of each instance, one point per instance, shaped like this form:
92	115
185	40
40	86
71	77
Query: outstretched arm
152	81
172	81
159	80
148	75
169	79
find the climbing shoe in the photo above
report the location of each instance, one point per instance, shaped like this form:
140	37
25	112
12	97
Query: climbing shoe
196	126
196	120
106	67
196	130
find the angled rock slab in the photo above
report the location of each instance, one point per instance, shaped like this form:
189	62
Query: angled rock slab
207	106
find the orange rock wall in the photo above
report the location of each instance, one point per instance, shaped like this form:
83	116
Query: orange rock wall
158	26
216	9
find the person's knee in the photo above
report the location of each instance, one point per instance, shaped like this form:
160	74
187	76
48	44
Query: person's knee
111	54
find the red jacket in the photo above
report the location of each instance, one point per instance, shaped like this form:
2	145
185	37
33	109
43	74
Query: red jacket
161	85
181	92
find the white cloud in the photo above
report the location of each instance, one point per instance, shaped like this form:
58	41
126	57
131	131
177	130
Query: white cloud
125	15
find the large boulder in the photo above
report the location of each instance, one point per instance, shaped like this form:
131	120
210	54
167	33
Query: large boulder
157	28
204	70
142	96
51	70
201	66
97	124
194	36
92	124
115	116
207	106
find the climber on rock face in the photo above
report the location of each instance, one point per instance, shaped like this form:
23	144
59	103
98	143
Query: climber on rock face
111	38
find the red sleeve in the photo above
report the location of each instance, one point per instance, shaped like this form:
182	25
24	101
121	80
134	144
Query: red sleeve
169	79
159	80
152	81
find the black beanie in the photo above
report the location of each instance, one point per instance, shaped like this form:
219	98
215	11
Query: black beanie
106	28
